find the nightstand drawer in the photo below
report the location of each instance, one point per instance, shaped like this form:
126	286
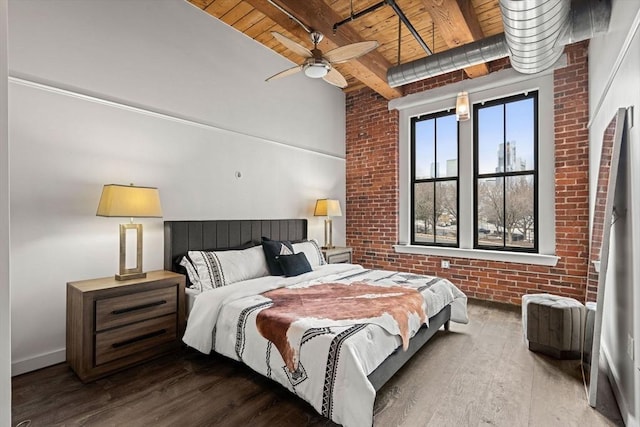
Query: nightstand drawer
337	255
339	258
131	339
125	309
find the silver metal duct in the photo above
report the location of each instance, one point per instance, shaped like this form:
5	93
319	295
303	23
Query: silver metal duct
588	19
532	29
536	32
487	49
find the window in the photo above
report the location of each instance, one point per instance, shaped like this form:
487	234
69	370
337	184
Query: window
532	242
434	176
505	138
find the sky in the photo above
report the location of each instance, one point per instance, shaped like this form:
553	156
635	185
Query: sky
519	129
444	130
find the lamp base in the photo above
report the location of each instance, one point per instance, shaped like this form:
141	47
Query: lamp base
129	276
328	234
136	272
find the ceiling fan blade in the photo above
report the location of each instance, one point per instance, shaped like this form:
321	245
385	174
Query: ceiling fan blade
292	46
285	73
350	51
335	78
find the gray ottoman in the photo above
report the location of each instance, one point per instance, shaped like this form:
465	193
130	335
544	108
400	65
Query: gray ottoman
553	325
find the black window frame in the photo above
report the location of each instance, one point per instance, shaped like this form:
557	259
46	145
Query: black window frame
530	172
415	120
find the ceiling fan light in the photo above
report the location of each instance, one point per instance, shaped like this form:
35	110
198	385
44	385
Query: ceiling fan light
316	71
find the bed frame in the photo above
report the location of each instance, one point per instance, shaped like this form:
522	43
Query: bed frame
183	236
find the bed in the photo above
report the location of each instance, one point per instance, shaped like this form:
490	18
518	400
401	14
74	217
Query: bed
358	356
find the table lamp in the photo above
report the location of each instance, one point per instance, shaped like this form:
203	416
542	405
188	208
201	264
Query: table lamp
328	208
131	202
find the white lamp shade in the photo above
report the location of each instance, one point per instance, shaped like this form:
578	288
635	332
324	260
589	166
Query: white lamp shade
462	107
129	201
327	207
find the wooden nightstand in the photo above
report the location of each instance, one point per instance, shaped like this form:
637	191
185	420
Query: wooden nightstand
337	255
112	324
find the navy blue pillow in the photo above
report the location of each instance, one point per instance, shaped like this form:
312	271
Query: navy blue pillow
272	250
294	265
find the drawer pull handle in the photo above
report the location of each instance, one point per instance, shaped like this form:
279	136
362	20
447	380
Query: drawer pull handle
138	307
139	338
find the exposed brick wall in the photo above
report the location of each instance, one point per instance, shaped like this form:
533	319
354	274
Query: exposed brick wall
372	193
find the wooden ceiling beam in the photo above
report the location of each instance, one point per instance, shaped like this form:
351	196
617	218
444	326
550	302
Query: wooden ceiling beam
281	19
458	24
370	69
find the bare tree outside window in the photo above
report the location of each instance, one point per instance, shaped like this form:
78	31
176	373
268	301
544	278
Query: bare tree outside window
424	217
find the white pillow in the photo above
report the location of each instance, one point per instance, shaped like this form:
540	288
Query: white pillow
311	250
221	268
192	273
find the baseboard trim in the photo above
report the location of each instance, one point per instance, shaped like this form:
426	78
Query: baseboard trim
612	374
38	362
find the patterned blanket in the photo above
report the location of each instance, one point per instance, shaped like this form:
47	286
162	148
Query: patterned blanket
325	355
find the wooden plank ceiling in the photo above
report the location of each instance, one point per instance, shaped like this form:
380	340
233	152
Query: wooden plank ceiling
442	24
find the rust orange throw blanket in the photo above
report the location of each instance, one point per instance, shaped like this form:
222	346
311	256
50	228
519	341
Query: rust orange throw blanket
358	302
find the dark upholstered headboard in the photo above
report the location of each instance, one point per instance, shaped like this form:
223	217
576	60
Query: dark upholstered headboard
183	236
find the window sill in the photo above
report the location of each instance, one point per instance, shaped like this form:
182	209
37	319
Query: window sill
517	257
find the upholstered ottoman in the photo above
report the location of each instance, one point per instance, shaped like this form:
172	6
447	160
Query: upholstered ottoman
553	325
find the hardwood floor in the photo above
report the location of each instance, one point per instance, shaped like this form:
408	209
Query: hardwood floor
476	374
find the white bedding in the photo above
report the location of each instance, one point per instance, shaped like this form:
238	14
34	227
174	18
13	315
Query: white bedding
335	358
191	294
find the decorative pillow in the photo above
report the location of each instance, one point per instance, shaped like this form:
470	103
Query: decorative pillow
273	249
245	245
192	274
294	265
184	265
221	268
312	250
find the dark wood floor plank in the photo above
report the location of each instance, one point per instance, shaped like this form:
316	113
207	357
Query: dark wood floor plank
476	374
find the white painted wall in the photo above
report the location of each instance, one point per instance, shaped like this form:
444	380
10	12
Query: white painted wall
622	293
156	93
5	312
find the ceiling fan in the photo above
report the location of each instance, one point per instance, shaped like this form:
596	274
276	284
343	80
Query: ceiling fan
318	65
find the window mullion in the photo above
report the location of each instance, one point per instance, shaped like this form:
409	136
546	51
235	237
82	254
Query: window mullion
434	176
504	178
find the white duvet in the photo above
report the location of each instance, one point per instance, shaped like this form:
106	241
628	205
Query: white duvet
334	358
